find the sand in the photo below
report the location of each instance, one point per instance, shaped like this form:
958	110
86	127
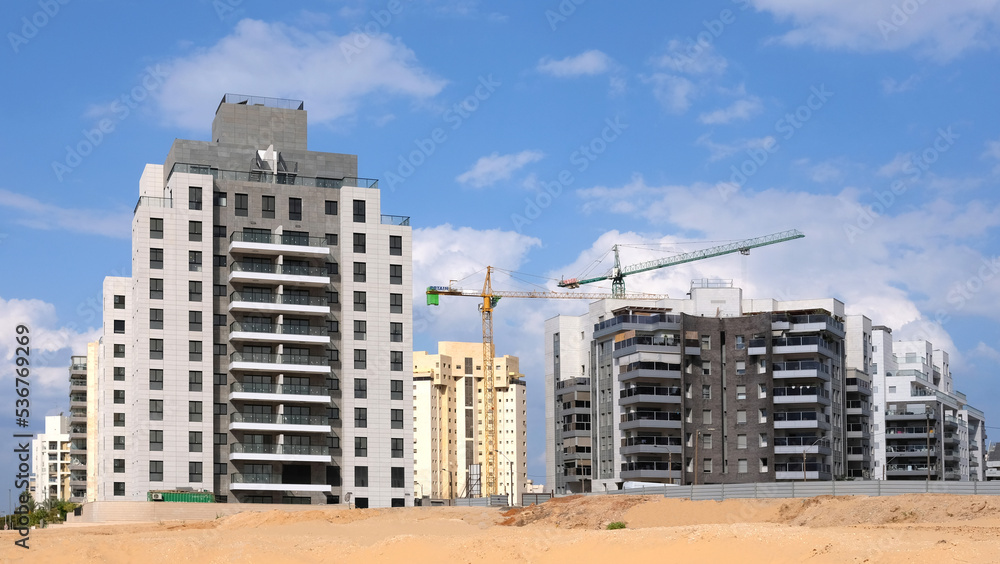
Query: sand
904	529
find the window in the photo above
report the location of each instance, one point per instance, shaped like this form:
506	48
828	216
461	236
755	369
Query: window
395	332
331	239
220	438
242	205
194	291
359	242
119	488
220	349
295	209
706	342
762	415
331	207
741	392
156	319
396	418
119	302
119	420
361	476
395	245
706	368
741	466
155	228
333	326
706	391
360	272
194	350
706	441
119	396
396	448
220	199
219	319
763	439
360	446
156	349
194	441
706	416
155	440
763	465
360	388
360	301
220	408
361	417
706	466
267	206
395	303
119	442
740	342
220	468
219	290
360	330
194	261
194	231
741	441
359	211
396	477
156	408
119	465
119	351
194	411
360	359
194	198
194	381
219	378
119	326
396	389
120	373
194	321
395	274
156	288
194	472
741	416
156	258
219	231
333	297
892	389
219	261
741	367
155	379
396	361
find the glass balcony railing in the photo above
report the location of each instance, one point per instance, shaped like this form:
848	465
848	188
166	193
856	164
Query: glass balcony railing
151	202
651	441
272	178
276	419
649	340
906	431
572	382
801	441
801	391
650	391
280	329
649	365
266	268
278	239
799	365
395	220
267	358
797	467
257	448
650	465
651	416
800	416
269	388
238	478
262	298
645	319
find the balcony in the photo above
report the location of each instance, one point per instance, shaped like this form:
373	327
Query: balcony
804	345
915	471
280	393
279	452
800	369
801	420
575	429
651	445
802	445
638	323
858	385
257	273
647	343
651	420
260	362
278	303
648	370
902	415
403	220
907	433
272	483
795	471
583	384
757	347
649	394
267	244
900	451
812	324
279	423
651	471
275	333
801	394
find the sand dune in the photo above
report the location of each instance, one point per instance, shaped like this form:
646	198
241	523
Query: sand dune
901	529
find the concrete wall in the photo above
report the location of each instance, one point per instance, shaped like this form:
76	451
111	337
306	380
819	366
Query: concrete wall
145	511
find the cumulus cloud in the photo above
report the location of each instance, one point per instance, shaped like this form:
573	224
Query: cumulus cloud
686	72
496	167
334	74
36	214
590	62
719	151
740	110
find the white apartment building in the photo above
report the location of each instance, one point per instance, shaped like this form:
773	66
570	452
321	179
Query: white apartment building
266	328
449	425
50	460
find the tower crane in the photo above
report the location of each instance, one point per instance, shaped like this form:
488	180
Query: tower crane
618	273
489	298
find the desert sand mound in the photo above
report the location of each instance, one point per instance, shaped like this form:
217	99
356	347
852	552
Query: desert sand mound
898	529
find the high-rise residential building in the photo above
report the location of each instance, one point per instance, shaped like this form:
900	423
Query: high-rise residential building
50	460
449	423
238	358
993	463
926	428
78	428
706	390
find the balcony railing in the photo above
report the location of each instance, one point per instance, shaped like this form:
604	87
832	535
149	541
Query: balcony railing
276	419
278	239
280	329
802	341
649	365
650	465
801	391
648	340
272	178
266	268
798	416
803	319
801	441
572	382
650	391
256	448
395	219
77	382
151	202
284	299
905	431
238	478
75	366
651	416
797	467
651	441
269	388
857	404
799	365
863	384
912	468
647	319
908	448
302	359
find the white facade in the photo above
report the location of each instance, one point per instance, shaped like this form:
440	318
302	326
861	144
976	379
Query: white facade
50	460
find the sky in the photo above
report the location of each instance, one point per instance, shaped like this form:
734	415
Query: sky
532	136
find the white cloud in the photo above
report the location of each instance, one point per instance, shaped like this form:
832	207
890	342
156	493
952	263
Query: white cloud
496	167
335	75
674	92
720	151
684	72
826	171
690	59
39	215
938	30
898	165
587	63
892	86
993	152
739	110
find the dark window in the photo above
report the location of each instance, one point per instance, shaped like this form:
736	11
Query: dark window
397	502
219	319
395	332
219	231
360	446
220	438
359	211
396	477
194	261
194	321
119	326
155	228
156	409
194	441
396	245
155	470
119	351
333	297
155	440
155	379
194	231
156	349
156	319
194	381
267	206
220	408
220	468
360	388
242	205
120	488
156	288
220	349
361	417
395	303
332	269
156	258
331	239
194	411
395	274
119	442
396	389
194	198
194	350
119	396
331	207
119	302
219	290
219	379
220	200
360	330
295	209
361	477
360	359
194	472
119	420
360	272
120	373
396	361
119	465
396	448
194	291
396	418
333	326
359	242
360	301
219	261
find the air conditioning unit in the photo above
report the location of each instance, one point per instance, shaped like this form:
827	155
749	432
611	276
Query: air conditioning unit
156	496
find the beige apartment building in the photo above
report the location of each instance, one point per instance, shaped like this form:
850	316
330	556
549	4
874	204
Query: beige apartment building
449	425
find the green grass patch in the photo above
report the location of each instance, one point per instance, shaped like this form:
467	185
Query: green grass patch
616	525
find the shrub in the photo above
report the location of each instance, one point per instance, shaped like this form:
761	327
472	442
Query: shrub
616	525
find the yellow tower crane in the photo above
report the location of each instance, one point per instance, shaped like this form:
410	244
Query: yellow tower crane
489	298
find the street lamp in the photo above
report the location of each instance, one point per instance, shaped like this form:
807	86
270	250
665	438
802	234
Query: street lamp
805	476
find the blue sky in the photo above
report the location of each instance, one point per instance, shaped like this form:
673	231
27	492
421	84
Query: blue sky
533	136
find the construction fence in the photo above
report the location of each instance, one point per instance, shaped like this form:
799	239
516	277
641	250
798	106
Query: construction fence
719	492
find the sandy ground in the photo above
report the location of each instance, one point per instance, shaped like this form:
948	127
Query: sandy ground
905	529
